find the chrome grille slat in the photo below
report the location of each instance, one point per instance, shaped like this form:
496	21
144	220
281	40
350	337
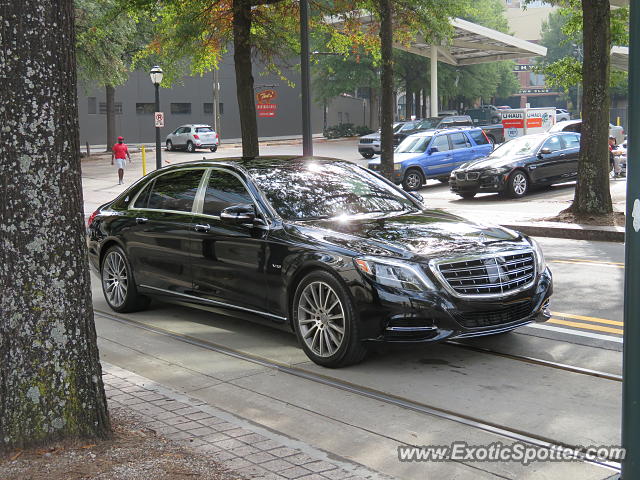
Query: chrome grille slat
490	275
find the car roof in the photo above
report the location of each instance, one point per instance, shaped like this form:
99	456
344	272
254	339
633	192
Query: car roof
195	125
434	131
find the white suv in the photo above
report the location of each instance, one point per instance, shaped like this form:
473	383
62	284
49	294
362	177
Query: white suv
193	136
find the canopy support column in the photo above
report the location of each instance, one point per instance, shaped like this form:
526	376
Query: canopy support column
433	101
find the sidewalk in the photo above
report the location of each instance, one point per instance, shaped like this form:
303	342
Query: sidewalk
247	449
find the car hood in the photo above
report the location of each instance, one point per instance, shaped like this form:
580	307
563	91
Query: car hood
374	135
491	162
420	236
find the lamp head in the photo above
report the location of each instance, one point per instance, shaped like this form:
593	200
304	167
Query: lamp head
156	75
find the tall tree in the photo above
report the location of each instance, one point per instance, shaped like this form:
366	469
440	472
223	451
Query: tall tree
106	42
50	376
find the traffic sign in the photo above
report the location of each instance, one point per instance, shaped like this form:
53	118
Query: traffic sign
159	118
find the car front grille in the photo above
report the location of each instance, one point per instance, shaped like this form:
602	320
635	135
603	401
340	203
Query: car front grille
507	314
489	275
366	140
467	175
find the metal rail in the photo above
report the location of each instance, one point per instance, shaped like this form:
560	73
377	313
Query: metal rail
507	432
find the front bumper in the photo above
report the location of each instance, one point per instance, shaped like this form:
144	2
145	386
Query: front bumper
369	148
484	183
432	316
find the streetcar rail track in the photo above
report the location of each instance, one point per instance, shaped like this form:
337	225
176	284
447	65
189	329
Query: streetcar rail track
491	427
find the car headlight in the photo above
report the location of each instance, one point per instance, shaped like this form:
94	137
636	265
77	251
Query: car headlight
497	171
397	166
541	264
394	273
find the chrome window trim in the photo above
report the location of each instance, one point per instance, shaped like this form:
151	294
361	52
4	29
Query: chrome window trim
214	302
433	266
135	198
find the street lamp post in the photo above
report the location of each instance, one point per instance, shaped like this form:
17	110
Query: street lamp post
305	83
156	79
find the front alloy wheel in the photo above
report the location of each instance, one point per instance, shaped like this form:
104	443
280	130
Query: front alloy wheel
325	321
518	184
118	286
412	180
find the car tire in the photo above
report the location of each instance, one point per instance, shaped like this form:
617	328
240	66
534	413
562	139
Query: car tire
214	148
468	195
413	180
367	154
118	285
326	322
518	184
169	146
191	147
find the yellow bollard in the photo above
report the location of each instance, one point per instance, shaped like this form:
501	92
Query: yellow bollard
144	161
618	121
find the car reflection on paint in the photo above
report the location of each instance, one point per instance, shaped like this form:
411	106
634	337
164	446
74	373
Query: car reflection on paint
327	248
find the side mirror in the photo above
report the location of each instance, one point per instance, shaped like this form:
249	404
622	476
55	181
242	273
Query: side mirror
432	150
238	214
544	151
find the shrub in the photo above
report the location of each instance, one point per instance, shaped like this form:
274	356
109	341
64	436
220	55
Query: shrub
346	130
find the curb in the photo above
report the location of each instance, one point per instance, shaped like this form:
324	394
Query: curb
570	231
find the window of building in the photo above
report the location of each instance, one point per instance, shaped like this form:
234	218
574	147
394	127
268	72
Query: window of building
91	106
536	79
145	108
117	107
207	108
221	108
181	108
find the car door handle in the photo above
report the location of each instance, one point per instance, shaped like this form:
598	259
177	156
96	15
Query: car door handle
141	220
202	227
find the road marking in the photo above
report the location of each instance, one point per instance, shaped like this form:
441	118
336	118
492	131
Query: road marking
586	326
578	333
589	262
589	319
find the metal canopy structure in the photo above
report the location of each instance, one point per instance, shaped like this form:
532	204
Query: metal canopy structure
620	58
471	44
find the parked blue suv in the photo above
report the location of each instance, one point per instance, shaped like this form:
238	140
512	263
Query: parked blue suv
434	154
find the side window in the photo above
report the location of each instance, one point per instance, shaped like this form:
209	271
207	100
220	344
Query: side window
478	137
554	144
224	190
441	142
459	140
179	131
143	198
571	141
175	191
186	130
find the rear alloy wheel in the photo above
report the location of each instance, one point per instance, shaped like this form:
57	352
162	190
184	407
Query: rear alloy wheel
413	180
118	286
518	185
190	147
169	146
214	148
325	321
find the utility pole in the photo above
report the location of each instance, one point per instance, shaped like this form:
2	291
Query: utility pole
216	101
305	81
631	342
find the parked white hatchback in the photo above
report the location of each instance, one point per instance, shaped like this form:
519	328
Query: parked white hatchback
190	137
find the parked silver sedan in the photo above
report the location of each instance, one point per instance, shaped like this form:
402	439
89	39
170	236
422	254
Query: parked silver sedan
193	136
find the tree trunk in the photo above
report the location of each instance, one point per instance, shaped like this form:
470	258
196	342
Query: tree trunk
592	190
374	110
110	93
50	375
244	77
386	84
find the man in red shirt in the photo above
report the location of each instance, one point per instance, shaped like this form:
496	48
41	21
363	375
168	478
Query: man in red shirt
120	153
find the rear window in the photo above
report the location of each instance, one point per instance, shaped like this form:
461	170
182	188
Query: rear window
478	137
204	130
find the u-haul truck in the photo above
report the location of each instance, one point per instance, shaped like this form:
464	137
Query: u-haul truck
517	122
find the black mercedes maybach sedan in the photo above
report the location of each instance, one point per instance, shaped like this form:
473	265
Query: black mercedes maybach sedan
329	249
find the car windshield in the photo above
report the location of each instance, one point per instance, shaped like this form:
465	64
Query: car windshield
397	127
429	123
516	147
408	126
315	190
204	129
414	144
